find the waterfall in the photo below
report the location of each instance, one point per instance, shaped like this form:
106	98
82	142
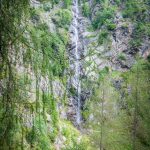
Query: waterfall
77	60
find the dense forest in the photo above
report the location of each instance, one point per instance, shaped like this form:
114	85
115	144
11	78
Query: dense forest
74	74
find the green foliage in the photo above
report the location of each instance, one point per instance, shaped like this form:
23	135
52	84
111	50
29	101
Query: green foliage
67	3
142	30
63	18
41	54
103	73
112	118
137	100
110	26
54	113
53	49
38	136
103	36
86	10
11	33
102	17
77	146
72	136
135	43
136	10
108	127
121	56
64	35
10	134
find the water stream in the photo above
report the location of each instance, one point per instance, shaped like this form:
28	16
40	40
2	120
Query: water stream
75	12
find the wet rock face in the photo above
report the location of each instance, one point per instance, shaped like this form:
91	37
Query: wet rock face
76	52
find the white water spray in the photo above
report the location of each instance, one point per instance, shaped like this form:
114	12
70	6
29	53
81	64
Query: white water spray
77	61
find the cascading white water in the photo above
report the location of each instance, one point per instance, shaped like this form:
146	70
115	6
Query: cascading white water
77	61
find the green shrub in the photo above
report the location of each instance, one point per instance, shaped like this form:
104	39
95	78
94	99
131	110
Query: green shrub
135	10
70	133
67	3
85	113
52	46
111	26
103	73
38	136
102	17
63	18
141	30
135	43
102	36
66	132
86	10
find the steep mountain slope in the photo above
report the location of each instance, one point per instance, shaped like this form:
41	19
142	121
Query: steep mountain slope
117	40
34	72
